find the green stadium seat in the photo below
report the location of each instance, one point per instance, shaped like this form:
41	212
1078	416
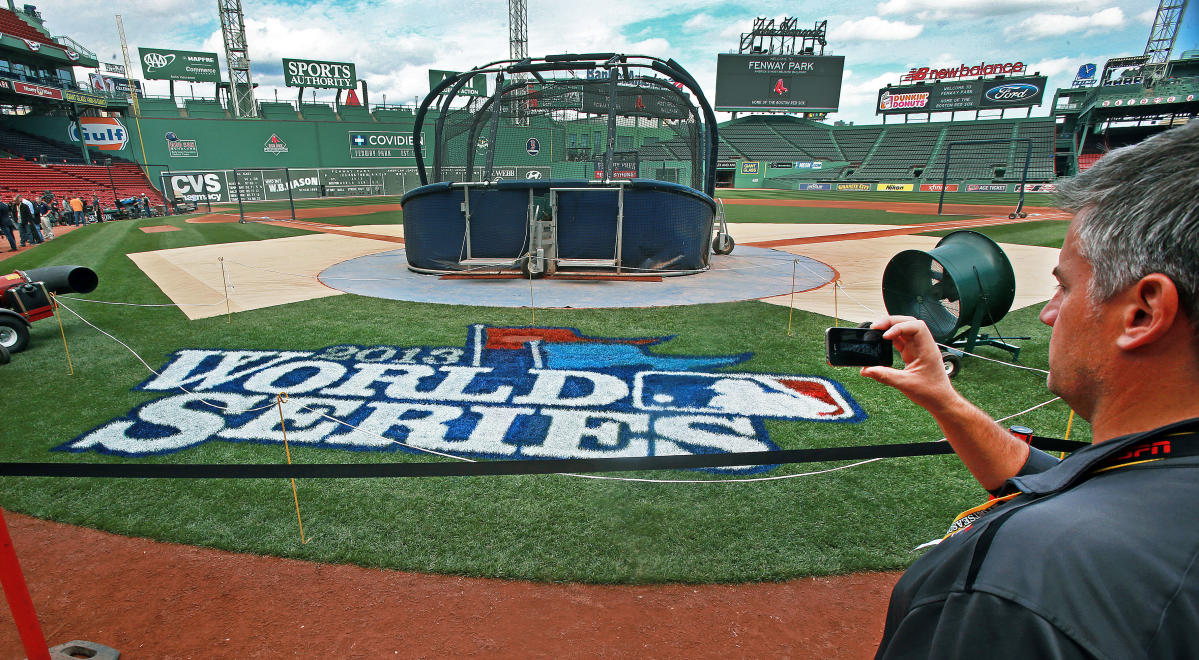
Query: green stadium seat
277	110
152	107
317	111
354	113
396	115
205	109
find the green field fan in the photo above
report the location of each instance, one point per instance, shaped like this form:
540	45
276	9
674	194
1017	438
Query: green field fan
964	283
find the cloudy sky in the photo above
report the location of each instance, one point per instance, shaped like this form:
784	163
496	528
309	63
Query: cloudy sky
395	42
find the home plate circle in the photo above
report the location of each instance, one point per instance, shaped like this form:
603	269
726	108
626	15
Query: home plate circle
749	273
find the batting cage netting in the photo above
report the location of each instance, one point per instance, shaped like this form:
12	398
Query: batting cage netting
595	161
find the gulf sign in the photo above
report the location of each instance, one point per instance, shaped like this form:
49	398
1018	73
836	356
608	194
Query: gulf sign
506	392
105	133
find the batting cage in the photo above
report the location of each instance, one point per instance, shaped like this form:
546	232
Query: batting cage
587	162
984	166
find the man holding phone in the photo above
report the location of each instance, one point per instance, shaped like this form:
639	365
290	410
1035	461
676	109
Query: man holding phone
1096	555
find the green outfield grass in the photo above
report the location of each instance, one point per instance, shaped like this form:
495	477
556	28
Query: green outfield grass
553	528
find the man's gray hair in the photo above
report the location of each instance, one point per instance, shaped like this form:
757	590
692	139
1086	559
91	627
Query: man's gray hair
1140	215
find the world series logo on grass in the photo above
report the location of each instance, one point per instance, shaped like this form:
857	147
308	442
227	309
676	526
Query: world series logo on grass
511	393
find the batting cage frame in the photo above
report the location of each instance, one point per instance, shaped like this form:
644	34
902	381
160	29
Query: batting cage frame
1019	212
588	207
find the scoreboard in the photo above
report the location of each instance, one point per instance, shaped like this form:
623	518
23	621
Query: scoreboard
795	83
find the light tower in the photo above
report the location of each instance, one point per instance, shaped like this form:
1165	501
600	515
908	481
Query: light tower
1161	38
518	33
237	56
518	47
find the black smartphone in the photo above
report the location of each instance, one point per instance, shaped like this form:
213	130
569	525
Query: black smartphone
857	347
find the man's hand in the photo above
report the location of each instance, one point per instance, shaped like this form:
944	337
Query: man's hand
923	378
991	453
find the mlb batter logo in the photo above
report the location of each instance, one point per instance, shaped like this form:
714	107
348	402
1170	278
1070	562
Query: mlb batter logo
508	392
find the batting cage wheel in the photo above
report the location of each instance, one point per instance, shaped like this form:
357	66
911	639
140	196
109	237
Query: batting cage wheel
723	244
530	271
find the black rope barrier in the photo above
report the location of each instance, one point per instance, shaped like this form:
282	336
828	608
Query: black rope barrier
489	468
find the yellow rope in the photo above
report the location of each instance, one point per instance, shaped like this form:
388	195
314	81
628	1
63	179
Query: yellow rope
54	306
280	398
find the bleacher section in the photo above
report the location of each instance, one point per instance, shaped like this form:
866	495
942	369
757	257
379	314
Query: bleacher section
64	173
205	109
904	149
977	161
317	111
757	141
857	142
10	23
354	113
1085	161
893	152
25	146
277	110
392	114
31	180
158	107
1043	133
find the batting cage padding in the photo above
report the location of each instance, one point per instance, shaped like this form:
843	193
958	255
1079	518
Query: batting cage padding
639	226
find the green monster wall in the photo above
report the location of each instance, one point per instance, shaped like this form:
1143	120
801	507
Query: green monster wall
226	144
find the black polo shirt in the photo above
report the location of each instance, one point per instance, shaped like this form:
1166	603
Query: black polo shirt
1097	557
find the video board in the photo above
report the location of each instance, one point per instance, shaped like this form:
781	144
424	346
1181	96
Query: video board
797	83
981	94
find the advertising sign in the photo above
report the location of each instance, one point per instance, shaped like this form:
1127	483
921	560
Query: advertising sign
750	167
918	74
112	84
476	86
198	186
280	184
895	187
815	186
315	73
853	186
624	166
810	83
986	187
380	144
105	133
1037	188
83	98
185	65
39	91
961	95
936	187
181	147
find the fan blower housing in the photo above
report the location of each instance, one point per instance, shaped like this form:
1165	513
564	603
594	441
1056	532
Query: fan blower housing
964	283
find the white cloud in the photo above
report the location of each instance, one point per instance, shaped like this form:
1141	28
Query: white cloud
873	28
699	23
938	9
1056	66
1052	25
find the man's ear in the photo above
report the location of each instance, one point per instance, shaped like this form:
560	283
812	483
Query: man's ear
1150	311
